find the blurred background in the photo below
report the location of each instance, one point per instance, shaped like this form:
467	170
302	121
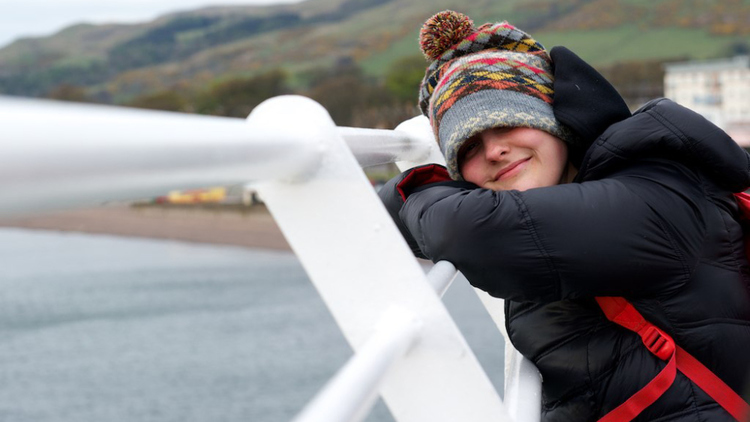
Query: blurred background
196	310
224	60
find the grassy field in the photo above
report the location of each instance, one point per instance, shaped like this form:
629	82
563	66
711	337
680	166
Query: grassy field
601	31
629	43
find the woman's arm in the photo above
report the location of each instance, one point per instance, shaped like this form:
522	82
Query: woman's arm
634	233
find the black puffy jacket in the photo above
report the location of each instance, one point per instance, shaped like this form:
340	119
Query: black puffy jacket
650	217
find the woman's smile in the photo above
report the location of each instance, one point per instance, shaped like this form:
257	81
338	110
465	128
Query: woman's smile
512	169
518	158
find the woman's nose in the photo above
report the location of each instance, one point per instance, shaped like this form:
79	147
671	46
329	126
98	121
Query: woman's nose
494	148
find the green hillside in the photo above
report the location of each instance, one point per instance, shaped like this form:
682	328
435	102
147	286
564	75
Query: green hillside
183	61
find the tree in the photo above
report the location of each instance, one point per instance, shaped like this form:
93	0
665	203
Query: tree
404	76
164	100
237	97
68	92
346	92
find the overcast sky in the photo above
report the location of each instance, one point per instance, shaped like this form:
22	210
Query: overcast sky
21	18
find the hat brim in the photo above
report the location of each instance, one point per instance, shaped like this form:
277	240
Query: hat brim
491	109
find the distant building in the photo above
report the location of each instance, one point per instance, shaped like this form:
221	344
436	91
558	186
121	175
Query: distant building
717	89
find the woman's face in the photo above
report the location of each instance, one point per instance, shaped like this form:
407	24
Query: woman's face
517	158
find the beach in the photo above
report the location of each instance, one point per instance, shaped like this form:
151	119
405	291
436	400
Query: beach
247	226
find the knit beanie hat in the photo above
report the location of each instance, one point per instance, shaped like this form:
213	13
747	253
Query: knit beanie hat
481	78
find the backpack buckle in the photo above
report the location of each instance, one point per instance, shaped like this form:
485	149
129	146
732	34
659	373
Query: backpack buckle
658	342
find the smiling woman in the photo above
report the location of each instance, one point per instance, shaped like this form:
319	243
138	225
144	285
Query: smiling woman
563	203
515	158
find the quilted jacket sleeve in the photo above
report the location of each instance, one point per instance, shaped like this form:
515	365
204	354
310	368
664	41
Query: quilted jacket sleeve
637	232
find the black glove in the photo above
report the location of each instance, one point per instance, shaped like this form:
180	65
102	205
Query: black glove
584	101
395	191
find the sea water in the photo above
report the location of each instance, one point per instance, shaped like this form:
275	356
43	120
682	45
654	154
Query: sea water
101	328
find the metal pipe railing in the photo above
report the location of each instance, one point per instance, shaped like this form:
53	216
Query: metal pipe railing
356	383
351	393
59	155
441	276
381	146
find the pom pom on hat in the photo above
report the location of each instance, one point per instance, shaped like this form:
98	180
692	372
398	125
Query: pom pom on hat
443	30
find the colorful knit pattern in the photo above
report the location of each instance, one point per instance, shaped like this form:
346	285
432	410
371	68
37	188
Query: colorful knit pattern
483	113
521	73
501	37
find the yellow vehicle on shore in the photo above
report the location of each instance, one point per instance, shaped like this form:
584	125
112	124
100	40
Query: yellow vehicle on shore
194	196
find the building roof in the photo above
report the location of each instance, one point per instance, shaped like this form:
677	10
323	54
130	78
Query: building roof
736	62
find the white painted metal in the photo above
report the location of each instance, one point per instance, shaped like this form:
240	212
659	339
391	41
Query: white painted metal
57	155
418	129
441	276
523	383
523	387
380	146
350	394
361	266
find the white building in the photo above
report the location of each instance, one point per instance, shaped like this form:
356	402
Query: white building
717	89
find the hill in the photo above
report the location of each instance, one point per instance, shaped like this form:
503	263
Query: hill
298	47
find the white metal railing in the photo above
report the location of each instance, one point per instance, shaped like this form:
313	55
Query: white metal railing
351	393
308	171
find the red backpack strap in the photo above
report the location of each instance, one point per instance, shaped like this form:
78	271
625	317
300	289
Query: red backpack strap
743	202
621	312
712	385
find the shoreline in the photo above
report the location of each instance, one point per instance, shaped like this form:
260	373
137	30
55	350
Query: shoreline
251	227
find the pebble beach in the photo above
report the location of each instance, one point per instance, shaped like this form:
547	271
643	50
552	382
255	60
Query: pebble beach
246	226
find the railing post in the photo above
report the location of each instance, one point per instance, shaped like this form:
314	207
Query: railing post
523	384
361	266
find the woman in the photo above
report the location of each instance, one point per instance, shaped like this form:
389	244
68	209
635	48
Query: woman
551	204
